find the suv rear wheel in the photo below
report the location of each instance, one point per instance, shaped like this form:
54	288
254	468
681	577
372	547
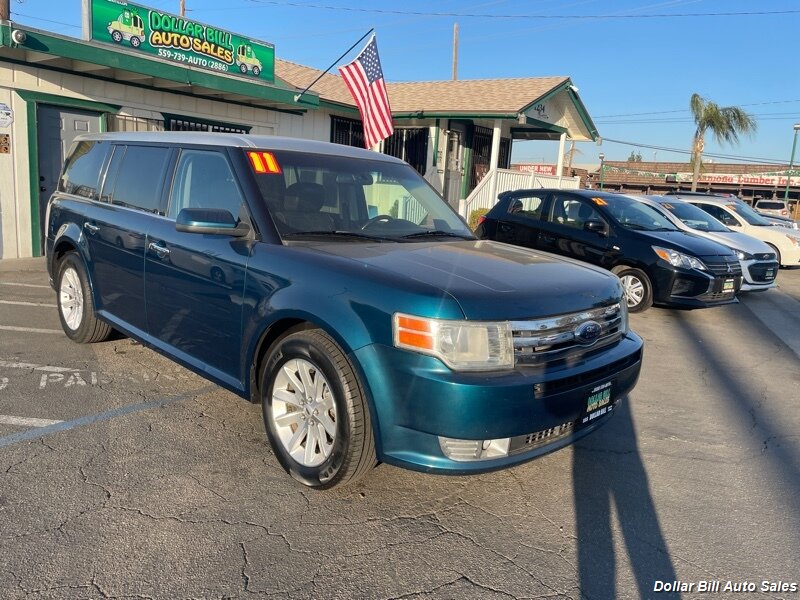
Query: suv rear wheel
75	303
637	287
315	412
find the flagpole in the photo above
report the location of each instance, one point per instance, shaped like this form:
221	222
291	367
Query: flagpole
308	87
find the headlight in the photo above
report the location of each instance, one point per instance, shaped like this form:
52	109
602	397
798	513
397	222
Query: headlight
677	259
793	239
461	345
742	255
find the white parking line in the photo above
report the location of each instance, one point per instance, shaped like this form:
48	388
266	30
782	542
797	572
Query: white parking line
18	303
30	329
26	421
33	285
20	365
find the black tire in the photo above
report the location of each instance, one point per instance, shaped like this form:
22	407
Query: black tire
777	254
88	328
256	71
243	69
116	36
632	276
135	41
352	451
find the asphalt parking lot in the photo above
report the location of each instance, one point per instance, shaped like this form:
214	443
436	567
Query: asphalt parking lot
123	475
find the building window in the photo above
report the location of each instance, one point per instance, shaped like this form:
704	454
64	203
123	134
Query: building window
410	145
348	132
181	123
130	123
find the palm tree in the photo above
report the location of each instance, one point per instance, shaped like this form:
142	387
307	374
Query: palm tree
725	122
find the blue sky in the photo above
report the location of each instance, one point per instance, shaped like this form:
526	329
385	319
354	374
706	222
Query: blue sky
622	66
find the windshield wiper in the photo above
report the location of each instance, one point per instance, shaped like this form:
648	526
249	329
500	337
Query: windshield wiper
437	232
349	234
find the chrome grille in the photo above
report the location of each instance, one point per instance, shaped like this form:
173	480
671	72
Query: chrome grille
545	340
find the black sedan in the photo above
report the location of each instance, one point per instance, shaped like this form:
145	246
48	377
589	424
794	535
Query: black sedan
656	262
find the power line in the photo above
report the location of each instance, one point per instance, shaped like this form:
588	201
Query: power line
769	161
516	16
661	112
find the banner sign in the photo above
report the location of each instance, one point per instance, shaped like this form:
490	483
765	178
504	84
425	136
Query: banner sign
535	168
771	178
179	40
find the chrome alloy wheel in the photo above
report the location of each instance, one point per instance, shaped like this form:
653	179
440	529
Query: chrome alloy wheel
303	412
70	298
634	290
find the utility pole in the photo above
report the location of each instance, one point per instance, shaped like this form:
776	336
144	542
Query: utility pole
183	8
5	10
455	51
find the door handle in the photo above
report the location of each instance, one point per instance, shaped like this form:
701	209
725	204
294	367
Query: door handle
91	228
158	249
504	228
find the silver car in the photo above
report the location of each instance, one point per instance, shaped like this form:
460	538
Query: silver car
758	260
772	208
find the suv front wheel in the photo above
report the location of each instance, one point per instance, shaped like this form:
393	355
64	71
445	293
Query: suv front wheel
315	412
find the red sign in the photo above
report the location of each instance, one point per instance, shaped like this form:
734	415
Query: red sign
535	168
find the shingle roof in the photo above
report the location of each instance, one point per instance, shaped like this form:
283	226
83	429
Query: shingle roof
461	96
470	95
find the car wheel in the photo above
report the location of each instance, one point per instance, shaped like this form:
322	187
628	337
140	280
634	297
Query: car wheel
637	287
75	304
315	412
135	41
256	71
116	36
777	253
243	68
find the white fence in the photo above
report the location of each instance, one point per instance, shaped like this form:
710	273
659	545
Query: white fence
481	196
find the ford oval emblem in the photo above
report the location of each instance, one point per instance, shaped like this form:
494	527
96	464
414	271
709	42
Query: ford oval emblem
588	332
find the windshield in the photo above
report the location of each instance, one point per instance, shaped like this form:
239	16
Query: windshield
348	199
747	213
694	217
632	214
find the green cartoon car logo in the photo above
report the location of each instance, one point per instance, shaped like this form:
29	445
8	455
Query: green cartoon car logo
246	60
128	26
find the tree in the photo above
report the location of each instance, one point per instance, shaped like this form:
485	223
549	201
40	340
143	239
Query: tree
725	122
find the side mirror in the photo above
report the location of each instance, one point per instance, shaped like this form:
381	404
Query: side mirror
215	221
597	226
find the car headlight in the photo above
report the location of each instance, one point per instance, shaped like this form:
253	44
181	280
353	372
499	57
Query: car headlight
742	255
793	239
678	259
461	345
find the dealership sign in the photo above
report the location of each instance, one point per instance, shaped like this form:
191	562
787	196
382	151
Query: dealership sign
539	169
178	39
771	178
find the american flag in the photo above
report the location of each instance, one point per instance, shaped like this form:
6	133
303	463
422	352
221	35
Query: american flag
364	79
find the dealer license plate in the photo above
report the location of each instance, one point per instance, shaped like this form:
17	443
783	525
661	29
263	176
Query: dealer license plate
599	402
727	286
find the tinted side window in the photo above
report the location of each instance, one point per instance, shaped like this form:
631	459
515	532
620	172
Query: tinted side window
572	212
528	206
82	169
720	214
141	178
204	179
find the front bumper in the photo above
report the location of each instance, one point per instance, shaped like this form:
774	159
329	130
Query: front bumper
692	288
417	401
758	275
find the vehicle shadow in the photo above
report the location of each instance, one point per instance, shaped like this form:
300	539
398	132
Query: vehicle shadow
609	479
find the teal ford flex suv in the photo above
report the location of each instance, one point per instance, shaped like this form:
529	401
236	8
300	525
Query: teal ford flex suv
336	288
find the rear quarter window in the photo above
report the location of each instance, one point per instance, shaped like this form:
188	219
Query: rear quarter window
82	169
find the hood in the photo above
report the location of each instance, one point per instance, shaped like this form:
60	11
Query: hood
738	241
491	280
687	243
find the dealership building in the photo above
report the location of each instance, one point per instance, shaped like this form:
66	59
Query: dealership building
139	69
